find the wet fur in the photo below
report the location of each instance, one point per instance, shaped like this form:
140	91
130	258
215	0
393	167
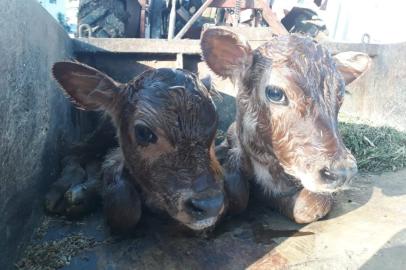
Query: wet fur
282	148
165	175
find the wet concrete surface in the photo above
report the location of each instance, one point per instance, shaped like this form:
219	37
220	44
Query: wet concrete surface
366	230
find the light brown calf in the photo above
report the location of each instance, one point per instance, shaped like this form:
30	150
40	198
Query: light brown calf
286	134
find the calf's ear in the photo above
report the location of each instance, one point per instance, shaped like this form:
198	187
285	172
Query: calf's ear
87	87
352	64
225	52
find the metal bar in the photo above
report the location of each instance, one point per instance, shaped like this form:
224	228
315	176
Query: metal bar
172	20
193	19
136	45
186	46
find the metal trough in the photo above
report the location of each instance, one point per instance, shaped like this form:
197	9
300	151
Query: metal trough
367	228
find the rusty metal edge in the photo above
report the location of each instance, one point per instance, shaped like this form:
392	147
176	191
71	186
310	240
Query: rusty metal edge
135	45
183	46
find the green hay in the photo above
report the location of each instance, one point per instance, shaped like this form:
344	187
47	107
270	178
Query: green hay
377	149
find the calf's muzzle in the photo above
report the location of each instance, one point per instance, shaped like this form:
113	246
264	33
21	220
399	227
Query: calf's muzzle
339	172
208	200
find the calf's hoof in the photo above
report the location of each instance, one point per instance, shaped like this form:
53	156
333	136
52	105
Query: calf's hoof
82	199
309	206
76	192
72	174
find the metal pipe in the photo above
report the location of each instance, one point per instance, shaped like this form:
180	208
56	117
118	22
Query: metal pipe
172	19
193	19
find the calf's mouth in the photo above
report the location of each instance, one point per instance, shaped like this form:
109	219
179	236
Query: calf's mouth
328	179
202	210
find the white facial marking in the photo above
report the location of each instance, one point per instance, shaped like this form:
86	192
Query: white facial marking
307	181
205	223
202	224
310	183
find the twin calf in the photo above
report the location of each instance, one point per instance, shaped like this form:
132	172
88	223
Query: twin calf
285	142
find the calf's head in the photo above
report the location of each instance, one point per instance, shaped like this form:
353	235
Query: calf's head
166	123
290	91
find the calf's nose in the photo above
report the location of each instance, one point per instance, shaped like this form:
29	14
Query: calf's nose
206	206
339	172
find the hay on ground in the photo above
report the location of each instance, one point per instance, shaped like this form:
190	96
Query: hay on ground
54	254
377	149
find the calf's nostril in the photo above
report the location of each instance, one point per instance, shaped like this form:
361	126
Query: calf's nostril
207	206
195	207
339	173
328	175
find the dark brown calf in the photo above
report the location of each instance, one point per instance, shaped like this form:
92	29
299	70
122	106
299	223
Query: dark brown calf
166	123
285	136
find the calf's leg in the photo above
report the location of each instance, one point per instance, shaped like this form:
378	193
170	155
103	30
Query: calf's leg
303	206
121	200
121	204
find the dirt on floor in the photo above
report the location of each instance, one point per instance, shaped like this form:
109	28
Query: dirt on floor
366	230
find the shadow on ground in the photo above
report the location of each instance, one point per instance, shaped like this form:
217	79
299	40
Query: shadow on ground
160	243
390	256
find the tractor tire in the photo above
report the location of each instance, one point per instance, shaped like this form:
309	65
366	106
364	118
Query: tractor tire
106	18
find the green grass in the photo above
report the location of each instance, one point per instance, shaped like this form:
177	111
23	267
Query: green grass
377	149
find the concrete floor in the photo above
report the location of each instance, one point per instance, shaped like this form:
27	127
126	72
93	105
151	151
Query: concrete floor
366	230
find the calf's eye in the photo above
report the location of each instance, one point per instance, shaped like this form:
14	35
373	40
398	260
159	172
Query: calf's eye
144	135
275	95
